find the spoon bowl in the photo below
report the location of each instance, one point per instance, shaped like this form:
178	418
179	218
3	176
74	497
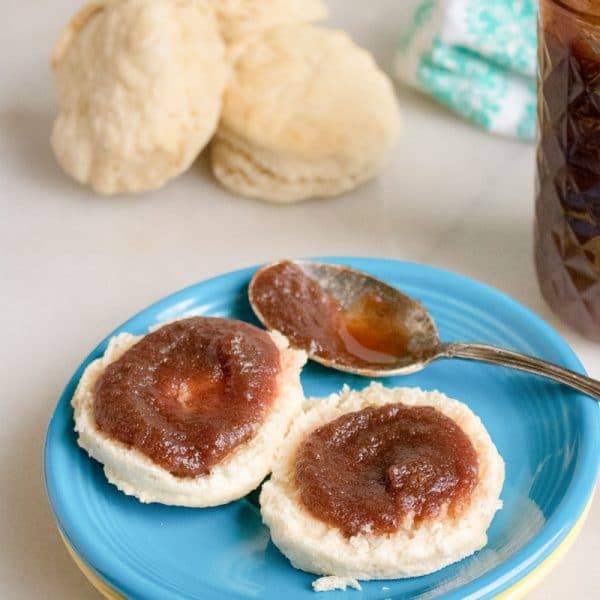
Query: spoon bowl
349	287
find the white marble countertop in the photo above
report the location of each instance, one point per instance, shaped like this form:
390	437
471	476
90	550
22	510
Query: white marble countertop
73	265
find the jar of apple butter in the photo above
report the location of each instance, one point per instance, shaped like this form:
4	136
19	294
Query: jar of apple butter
567	229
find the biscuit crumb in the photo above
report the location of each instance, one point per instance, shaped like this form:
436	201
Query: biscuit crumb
331	582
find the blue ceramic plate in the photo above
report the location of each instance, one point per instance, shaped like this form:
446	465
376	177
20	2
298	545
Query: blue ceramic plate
547	434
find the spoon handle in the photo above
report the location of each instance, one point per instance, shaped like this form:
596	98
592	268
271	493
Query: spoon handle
523	362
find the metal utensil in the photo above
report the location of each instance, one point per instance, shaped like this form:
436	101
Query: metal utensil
348	285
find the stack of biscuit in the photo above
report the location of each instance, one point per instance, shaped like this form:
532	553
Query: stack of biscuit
293	110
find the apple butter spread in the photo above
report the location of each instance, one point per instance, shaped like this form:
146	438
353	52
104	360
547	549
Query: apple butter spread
368	470
367	334
189	393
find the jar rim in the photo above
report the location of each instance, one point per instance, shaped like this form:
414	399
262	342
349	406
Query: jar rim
584	9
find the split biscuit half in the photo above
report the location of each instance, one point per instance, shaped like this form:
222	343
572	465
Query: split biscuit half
136	474
314	545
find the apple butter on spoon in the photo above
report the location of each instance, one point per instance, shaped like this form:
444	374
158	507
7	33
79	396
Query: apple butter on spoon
351	321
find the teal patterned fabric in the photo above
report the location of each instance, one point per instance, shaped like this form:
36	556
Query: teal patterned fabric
504	31
477	57
463	81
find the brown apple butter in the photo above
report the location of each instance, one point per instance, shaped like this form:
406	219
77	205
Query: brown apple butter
367	334
189	393
368	470
567	226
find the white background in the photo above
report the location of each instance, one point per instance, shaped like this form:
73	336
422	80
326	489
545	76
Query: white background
74	265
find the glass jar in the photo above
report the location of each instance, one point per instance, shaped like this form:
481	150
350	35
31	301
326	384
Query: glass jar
567	228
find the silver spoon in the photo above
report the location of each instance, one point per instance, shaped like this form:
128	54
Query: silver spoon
348	286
